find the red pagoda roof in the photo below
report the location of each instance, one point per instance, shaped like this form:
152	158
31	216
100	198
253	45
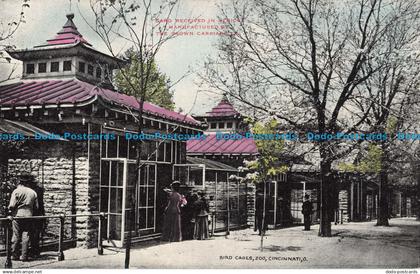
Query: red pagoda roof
75	92
213	146
68	35
223	109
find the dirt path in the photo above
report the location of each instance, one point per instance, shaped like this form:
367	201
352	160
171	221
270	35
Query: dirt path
353	245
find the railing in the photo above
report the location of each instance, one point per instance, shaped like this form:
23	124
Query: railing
7	222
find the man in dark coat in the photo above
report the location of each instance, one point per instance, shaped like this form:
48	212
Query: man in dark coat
307	211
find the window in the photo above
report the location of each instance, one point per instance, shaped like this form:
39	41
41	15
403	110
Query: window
67	66
42	67
98	72
82	67
55	66
213	125
30	68
221	125
90	69
229	125
106	74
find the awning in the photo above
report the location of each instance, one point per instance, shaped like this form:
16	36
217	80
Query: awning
210	165
23	128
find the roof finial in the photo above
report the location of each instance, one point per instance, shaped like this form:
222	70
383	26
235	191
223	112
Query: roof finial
225	98
70	15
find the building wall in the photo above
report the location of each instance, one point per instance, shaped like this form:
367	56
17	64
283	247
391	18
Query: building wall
70	185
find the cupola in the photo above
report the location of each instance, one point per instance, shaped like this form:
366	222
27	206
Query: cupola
67	55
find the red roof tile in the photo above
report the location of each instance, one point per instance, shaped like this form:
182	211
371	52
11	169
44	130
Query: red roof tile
68	35
224	108
211	145
52	92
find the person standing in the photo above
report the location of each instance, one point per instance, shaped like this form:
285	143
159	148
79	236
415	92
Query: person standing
307	212
172	215
38	224
23	202
201	228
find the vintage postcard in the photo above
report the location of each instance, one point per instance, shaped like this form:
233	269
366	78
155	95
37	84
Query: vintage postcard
218	134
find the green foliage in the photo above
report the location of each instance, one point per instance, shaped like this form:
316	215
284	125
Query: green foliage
158	84
268	163
391	125
371	163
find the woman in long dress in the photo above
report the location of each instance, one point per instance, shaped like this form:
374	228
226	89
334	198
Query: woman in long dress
201	229
172	219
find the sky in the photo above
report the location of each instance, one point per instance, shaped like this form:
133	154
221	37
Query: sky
45	18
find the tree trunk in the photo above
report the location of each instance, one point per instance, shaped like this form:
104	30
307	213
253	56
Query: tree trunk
132	222
263	218
418	192
383	213
325	190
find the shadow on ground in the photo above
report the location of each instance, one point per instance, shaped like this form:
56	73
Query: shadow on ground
278	248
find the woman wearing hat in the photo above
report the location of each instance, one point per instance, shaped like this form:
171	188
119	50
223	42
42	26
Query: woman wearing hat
201	229
172	215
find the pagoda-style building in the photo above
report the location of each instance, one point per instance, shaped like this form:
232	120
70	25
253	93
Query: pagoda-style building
223	118
74	125
233	199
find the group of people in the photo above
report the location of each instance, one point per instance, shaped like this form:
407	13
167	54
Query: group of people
172	214
172	230
26	201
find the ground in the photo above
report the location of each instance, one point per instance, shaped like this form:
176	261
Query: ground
353	245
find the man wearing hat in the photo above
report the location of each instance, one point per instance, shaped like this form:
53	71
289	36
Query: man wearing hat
23	202
307	211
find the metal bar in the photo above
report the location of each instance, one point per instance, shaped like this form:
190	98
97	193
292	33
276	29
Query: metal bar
204	176
198	166
100	246
60	256
123	213
215	198
275	201
8	224
52	216
213	219
154	201
228	205
237	205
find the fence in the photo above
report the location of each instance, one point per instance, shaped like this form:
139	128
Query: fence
58	239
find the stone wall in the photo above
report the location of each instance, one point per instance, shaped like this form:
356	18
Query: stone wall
250	204
70	185
343	206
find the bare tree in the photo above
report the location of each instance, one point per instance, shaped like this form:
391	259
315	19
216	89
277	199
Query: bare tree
7	29
302	61
139	24
392	97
